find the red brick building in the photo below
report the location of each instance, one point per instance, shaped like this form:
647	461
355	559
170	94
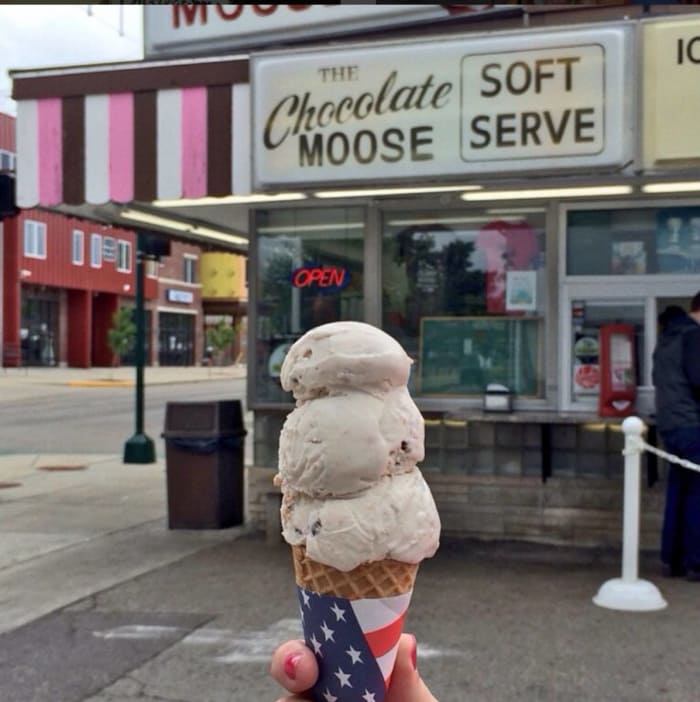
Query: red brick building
63	278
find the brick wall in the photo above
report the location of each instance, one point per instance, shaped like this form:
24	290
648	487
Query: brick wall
486	478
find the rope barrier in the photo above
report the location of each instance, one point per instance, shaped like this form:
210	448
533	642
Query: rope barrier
644	446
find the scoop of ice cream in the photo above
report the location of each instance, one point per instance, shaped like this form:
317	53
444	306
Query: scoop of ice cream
396	519
342	354
342	444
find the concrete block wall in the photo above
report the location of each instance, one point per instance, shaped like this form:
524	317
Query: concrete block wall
487	481
567	511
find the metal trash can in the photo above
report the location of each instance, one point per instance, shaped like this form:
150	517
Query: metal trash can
204	446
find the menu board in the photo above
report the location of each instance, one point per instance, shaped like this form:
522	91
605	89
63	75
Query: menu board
462	355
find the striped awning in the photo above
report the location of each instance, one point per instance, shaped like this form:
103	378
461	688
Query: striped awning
133	132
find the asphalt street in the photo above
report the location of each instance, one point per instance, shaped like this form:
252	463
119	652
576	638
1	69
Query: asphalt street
96	419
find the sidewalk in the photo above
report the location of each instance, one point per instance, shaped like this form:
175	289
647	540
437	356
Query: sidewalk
60	514
58	511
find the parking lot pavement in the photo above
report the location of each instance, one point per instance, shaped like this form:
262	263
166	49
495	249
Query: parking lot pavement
101	602
495	622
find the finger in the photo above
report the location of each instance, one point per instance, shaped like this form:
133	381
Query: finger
294	666
406	683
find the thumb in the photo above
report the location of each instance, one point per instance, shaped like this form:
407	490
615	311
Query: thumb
406	684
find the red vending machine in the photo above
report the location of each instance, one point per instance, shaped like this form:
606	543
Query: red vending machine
618	386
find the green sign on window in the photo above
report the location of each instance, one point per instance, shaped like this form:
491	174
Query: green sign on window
462	355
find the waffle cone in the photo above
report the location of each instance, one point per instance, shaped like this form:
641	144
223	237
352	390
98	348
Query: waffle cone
378	579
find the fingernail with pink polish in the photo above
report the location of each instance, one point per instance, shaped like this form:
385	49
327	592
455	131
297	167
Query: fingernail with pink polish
414	654
290	665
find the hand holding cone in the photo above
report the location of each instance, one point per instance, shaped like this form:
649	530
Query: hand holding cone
294	668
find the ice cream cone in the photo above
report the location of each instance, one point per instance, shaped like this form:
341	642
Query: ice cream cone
379	579
359	520
352	621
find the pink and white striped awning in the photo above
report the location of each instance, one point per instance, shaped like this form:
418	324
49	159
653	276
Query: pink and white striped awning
132	132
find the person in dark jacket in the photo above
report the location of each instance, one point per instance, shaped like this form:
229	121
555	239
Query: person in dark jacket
676	376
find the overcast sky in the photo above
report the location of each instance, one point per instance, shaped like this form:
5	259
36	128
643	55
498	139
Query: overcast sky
33	36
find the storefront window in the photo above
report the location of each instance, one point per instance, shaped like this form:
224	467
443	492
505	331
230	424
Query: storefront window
464	293
633	241
310	271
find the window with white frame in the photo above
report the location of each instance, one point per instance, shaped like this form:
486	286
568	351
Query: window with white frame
152	268
96	250
78	248
190	269
7	160
34	239
124	256
623	265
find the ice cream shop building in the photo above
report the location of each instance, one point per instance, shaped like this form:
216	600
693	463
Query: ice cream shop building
511	191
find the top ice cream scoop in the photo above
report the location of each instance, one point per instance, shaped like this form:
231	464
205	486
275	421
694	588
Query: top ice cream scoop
344	354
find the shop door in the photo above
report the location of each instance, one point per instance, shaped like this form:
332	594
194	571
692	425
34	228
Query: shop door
39	331
176	339
587	318
584	309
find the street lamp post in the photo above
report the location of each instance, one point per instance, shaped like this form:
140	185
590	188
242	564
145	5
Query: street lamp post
140	448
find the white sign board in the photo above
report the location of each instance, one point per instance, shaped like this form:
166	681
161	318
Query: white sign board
184	296
185	29
490	104
671	92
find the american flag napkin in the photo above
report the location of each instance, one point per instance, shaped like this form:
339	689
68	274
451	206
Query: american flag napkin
355	642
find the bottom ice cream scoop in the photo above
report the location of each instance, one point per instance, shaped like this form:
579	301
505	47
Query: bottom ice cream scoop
396	519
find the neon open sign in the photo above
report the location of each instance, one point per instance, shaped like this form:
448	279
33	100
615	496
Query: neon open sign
327	277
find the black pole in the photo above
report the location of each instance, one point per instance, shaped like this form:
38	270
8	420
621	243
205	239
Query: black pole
140	448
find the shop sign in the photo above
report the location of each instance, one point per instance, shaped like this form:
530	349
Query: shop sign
185	29
512	102
326	277
109	249
671	87
182	296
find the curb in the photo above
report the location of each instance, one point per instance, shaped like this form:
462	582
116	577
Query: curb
101	383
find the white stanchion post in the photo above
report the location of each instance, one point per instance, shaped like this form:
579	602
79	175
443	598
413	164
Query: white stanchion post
631	499
629	593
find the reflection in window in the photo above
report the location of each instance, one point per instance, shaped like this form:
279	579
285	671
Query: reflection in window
310	272
453	279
